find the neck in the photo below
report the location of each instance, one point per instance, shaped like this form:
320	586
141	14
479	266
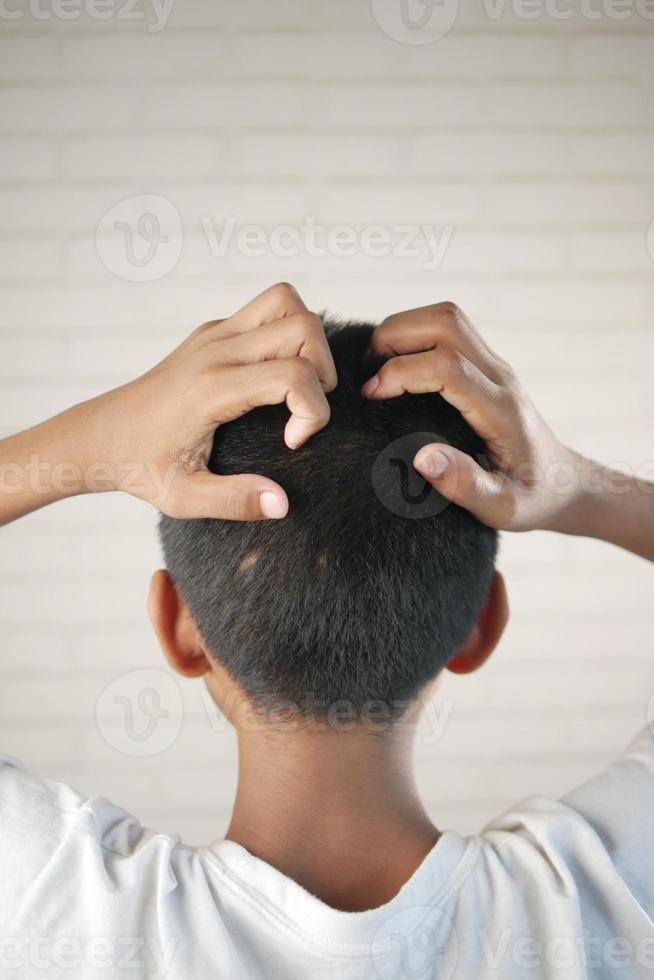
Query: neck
337	812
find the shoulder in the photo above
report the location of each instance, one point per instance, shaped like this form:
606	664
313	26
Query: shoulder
54	838
598	837
29	803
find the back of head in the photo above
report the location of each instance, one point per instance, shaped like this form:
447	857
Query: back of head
370	584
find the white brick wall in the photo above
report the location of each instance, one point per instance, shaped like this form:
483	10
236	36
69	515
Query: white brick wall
530	141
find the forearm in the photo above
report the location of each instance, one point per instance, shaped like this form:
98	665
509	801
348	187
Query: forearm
613	507
45	463
152	437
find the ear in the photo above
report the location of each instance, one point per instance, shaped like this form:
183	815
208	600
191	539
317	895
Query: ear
175	629
486	632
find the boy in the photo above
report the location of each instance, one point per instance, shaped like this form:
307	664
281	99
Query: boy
319	631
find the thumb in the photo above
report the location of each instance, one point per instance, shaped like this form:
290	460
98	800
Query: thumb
463	481
245	497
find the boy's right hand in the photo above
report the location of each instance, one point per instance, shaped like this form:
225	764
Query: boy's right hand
273	350
533	480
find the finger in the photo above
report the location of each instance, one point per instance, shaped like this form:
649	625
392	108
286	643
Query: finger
448	373
245	497
442	324
296	335
293	380
489	496
273	303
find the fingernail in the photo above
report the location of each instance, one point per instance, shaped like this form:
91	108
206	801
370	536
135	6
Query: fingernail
272	505
431	463
295	432
370	386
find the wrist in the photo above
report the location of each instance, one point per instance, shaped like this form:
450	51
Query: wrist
116	450
585	495
76	449
96	436
68	447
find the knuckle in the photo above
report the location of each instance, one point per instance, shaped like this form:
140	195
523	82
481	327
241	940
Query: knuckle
284	292
205	327
449	310
449	363
390	370
507	395
328	379
199	331
302	370
234	504
314	342
308	326
468	480
507	374
379	333
380	336
312	322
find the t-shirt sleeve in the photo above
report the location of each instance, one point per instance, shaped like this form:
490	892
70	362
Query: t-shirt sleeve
34	814
619	804
58	847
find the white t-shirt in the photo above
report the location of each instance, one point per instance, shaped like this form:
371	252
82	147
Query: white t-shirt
560	889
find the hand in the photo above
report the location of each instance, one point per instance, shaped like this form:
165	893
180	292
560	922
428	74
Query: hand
271	351
533	479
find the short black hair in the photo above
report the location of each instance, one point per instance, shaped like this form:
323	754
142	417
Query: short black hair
370	584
